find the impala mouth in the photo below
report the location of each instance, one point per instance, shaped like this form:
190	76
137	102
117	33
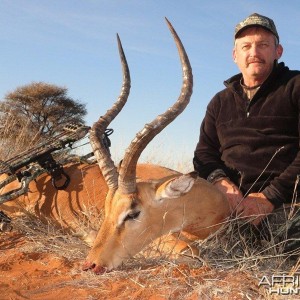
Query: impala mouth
98	270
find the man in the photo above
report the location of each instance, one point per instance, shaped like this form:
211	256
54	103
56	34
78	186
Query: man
249	139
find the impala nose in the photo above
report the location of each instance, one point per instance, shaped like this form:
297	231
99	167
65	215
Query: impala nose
92	266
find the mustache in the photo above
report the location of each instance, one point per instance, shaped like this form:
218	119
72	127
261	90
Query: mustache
255	60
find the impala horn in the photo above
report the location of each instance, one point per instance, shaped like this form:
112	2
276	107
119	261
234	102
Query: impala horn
102	154
127	173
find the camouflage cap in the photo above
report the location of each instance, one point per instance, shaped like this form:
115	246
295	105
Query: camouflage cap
256	20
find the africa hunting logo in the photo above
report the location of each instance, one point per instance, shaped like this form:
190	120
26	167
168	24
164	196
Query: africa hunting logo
281	284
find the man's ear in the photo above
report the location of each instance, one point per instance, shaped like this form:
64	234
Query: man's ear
279	51
175	187
234	55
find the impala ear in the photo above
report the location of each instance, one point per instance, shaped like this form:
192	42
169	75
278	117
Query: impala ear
175	187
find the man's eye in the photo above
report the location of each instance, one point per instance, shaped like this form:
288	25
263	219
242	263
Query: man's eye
132	216
263	45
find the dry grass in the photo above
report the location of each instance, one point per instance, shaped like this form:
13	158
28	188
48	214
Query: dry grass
236	247
12	144
222	256
47	237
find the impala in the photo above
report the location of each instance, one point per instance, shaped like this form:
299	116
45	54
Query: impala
139	211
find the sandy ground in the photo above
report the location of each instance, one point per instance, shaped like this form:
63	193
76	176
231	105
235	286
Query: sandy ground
50	268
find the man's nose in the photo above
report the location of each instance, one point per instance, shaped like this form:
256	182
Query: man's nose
254	50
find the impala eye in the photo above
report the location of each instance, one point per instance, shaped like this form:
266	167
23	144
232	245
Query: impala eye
132	216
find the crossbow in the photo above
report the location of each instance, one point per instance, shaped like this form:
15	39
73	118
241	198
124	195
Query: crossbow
30	164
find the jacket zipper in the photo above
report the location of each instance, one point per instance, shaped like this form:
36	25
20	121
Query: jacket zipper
248	109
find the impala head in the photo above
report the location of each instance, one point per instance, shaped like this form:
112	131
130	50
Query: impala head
138	212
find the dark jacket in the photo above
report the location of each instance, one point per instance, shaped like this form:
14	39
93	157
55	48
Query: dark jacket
255	142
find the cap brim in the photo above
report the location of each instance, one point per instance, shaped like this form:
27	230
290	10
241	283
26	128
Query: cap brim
253	25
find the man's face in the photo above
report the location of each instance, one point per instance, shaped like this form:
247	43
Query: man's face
254	53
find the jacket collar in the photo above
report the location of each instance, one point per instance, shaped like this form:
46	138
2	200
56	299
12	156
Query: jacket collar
234	81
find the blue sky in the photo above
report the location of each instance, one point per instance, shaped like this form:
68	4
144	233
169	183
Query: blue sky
72	43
